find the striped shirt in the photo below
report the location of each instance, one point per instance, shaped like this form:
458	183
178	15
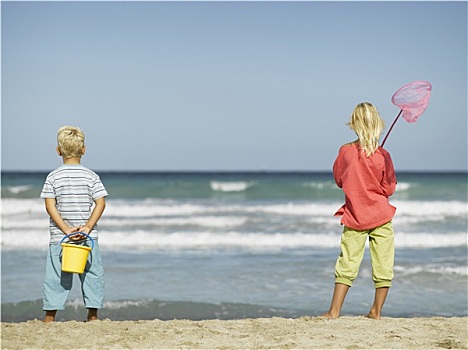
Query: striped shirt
75	188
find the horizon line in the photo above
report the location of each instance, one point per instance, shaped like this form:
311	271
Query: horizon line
252	171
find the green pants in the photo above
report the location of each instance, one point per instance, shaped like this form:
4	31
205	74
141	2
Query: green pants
382	251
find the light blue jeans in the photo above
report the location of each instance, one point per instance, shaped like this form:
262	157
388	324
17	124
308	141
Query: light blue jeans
57	284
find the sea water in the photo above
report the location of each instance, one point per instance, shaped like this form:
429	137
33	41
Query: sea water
234	245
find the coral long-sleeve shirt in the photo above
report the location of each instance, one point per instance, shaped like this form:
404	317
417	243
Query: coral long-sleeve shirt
367	182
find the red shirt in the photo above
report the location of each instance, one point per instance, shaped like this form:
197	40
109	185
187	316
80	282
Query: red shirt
367	182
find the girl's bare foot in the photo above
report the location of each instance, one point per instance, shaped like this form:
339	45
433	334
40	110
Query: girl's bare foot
330	315
373	315
379	300
339	294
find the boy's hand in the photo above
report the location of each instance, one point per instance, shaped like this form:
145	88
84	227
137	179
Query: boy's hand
77	237
84	229
69	230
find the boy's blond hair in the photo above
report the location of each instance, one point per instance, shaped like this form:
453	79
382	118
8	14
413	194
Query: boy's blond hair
368	125
70	141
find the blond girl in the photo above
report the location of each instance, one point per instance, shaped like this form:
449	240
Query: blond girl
365	173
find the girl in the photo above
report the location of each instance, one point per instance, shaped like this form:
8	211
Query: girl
365	172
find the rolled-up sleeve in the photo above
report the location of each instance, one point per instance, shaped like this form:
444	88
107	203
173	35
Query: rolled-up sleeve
48	189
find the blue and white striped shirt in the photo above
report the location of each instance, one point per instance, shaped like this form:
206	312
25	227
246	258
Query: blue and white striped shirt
75	188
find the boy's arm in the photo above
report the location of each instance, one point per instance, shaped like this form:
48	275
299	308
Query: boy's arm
55	215
100	205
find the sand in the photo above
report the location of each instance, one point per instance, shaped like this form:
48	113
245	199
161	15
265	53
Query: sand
265	333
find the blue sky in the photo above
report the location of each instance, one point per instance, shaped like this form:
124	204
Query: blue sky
228	85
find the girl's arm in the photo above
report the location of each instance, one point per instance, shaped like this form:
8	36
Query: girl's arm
389	178
338	168
100	205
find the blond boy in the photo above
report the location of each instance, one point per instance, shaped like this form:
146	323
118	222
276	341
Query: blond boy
70	192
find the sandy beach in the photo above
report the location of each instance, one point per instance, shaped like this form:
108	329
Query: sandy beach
264	333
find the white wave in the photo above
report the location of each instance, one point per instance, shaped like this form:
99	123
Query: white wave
267	240
119	304
18	189
321	185
197	240
306	209
110	222
230	186
31	223
450	270
431	208
30	214
157	207
403	186
21	206
152	208
201	221
77	303
141	239
425	240
413	220
444	270
19	239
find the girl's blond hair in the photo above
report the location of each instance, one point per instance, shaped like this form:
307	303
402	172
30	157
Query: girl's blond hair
70	141
368	125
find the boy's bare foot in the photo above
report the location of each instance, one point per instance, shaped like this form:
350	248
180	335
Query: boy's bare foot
92	315
50	316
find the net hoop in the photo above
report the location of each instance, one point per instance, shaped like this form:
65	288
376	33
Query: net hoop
413	99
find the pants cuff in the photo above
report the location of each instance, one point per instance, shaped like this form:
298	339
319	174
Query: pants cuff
51	308
383	284
344	280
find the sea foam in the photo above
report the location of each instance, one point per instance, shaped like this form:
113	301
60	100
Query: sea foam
230	186
145	240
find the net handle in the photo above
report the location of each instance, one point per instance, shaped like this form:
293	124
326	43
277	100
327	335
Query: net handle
391	127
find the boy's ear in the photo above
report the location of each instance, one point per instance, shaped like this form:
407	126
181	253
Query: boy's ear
83	150
59	152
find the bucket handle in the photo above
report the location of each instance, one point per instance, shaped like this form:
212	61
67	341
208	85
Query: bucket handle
79	233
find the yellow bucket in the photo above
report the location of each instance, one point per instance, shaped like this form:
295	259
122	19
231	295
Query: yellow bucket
74	256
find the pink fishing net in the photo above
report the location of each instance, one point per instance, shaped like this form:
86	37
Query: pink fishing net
412	99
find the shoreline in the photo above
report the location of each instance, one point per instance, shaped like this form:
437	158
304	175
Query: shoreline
347	332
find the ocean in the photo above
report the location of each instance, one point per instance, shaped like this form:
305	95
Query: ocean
230	245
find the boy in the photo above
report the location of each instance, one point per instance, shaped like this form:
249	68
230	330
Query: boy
69	192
